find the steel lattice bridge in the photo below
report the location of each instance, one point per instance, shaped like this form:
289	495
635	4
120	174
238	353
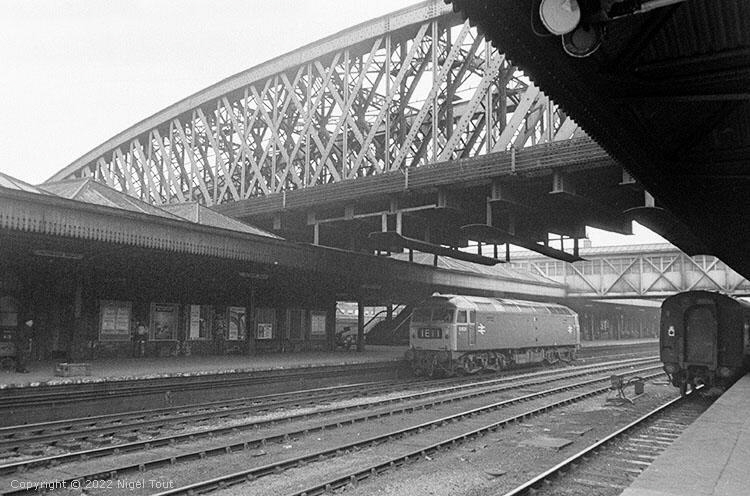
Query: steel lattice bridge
410	124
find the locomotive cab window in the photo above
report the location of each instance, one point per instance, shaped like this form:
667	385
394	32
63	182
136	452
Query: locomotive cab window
443	316
462	317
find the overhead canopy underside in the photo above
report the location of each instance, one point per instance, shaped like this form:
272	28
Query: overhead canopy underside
667	94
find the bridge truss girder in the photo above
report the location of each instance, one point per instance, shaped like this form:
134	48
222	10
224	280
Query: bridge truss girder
408	92
412	89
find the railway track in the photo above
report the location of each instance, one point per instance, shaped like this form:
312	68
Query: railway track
59	402
127	425
374	411
218	410
433	441
80	428
612	463
55	395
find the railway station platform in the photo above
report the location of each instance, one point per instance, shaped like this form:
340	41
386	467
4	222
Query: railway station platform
120	369
712	456
617	342
42	373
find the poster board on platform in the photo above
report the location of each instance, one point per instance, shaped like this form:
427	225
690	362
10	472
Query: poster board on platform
199	322
114	320
265	330
317	325
236	324
265	321
164	318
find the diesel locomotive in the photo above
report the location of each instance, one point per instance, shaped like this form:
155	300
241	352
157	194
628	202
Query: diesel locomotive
704	339
453	334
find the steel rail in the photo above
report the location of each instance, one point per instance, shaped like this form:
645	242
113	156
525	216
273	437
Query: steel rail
225	407
528	486
14	398
89	431
284	464
220	408
246	444
353	477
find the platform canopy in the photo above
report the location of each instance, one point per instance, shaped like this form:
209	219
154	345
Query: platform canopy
40	230
664	87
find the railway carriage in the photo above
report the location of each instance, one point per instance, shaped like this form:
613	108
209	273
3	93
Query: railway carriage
704	338
453	334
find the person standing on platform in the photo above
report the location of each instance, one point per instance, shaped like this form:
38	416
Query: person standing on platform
141	336
219	338
22	338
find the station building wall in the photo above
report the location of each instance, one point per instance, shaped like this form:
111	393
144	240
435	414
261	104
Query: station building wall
81	313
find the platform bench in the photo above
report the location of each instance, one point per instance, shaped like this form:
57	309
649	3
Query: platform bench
70	369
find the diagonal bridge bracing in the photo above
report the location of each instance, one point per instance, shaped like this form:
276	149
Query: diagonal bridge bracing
408	91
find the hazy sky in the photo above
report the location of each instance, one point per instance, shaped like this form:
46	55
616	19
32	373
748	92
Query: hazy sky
77	72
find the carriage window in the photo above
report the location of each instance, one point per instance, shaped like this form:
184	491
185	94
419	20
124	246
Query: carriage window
462	317
472	316
421	315
444	316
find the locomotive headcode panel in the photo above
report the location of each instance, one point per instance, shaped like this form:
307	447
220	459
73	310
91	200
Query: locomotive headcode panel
431	325
452	334
430	333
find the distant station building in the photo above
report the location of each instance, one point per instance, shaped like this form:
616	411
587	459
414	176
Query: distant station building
96	272
617	319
